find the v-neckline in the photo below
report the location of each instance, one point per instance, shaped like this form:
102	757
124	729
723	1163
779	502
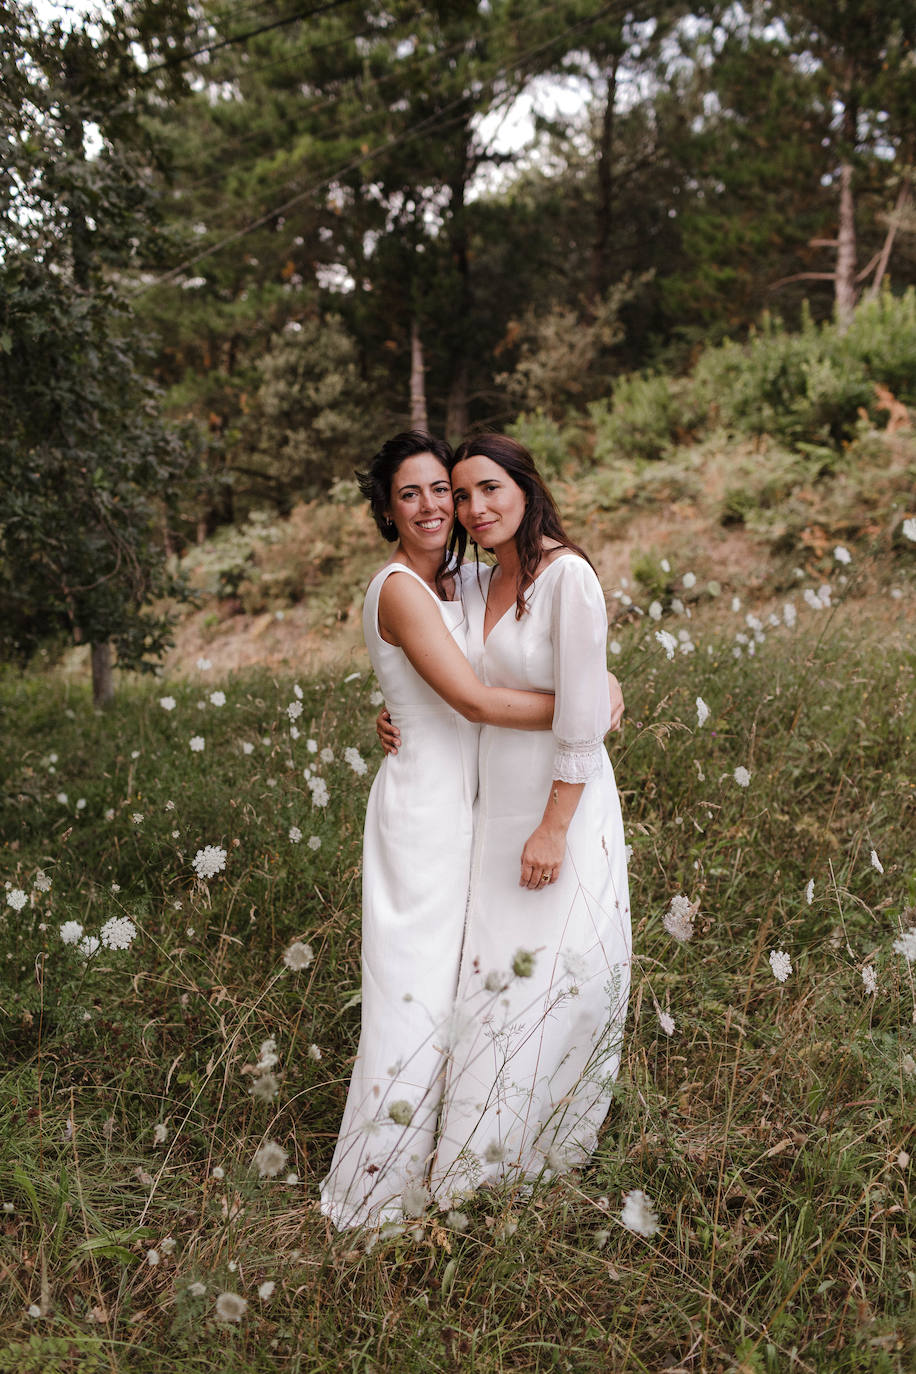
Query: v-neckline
488	633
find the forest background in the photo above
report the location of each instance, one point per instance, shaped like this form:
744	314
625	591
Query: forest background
239	244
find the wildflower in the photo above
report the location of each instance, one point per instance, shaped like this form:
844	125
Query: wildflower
196	744
204	665
414	1200
906	945
655	610
297	691
118	932
209	861
294	732
81	804
523	963
496	980
689	580
876	863
152	1257
401	1112
702	713
638	1214
270	1159
70	932
678	919
842	554
167	1246
615	646
298	956
294	710
229	1306
167	703
34	1310
909	529
137	817
314	1053
267	1055
375	698
666	1022
160	1134
266	1290
456	1221
326	755
219	1172
295	834
809	891
217	698
62	798
736	604
247	748
89	945
41	882
314	842
292	1180
16	898
667	641
312	746
197	1289
319	790
781	964
870	980
265	1087
356	761
110	814
742	776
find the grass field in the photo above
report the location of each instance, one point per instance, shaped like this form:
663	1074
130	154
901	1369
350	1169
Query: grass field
771	1129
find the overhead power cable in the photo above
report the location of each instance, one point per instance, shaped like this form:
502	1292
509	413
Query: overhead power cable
178	58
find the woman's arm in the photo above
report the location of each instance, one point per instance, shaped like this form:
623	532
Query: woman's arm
410	619
582	714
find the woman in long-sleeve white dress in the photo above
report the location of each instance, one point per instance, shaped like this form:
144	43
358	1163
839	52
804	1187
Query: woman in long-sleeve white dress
545	969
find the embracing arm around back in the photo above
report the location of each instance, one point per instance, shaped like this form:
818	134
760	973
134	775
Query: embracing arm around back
409	618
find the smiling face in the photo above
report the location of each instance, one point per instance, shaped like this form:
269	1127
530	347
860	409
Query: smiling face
488	502
421	503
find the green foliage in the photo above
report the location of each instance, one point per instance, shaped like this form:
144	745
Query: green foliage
552	445
640	420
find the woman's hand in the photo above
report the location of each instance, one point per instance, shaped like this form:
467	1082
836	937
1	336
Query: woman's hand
388	733
617	703
543	855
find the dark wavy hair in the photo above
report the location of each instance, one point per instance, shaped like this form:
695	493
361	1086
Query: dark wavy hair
541	519
375	482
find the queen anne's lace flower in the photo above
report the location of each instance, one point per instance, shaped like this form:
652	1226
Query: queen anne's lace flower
197	744
16	898
906	945
71	932
41	882
870	980
781	964
742	776
217	698
118	932
356	761
702	712
295	834
294	710
314	842
209	861
167	703
876	863
678	919
319	790
638	1213
842	554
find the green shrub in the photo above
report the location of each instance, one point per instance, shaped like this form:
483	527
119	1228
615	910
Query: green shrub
550	444
638	423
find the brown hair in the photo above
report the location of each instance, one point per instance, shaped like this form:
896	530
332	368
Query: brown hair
541	519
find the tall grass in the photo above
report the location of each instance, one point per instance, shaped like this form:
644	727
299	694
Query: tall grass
771	1130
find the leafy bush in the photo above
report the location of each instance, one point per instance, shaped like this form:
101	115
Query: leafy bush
640	420
550	444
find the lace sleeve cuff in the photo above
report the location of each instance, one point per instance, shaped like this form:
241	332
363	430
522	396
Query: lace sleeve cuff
577	762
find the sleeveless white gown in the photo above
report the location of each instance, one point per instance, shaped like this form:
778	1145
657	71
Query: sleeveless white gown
416	858
534	1058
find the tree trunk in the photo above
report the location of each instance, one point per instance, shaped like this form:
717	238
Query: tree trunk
418	417
102	682
601	266
846	291
456	413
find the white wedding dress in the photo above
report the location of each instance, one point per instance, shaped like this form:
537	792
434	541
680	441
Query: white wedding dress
416	857
534	1058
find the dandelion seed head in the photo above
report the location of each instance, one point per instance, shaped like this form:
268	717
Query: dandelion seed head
298	956
270	1159
218	1172
615	647
230	1307
34	1310
62	798
638	1214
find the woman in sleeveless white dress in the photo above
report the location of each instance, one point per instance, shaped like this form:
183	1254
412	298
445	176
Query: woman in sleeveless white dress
417	842
545	970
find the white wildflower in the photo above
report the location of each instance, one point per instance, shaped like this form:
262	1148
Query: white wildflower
34	1310
204	665
118	932
209	861
137	817
319	790
270	1159
196	744
736	604
297	691
356	761
842	554
89	945
742	776
314	1053
152	1257
876	863
167	1246
667	641
870	980
81	804
266	1290
247	747
414	1200
16	898
781	964
375	698
314	842
909	529
666	1022
655	610
110	814
906	945
294	732
62	798
456	1221
294	710
41	882
615	646
71	932
678	919
702	712
217	698
326	755
265	1087
229	1306
312	746
638	1214
295	834
809	891
167	703
160	1133
677	605
689	580
298	956
219	1172
197	1289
